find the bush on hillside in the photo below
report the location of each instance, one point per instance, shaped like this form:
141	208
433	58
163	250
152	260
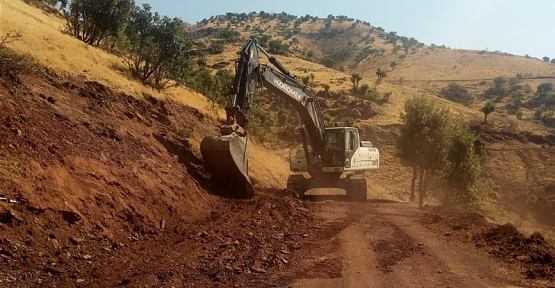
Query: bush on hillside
216	47
159	47
276	46
94	21
329	62
498	89
12	63
457	93
544	96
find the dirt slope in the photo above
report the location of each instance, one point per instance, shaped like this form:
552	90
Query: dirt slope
96	186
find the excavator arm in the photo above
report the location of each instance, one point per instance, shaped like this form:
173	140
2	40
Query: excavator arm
303	101
227	155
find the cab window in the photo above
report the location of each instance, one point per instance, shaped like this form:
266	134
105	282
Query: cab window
351	141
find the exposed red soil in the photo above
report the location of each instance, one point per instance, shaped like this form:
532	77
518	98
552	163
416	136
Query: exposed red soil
531	255
533	252
100	189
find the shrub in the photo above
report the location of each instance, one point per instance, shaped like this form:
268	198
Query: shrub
276	46
462	170
386	97
329	62
216	47
12	63
457	93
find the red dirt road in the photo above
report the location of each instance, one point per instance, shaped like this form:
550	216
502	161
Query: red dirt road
387	245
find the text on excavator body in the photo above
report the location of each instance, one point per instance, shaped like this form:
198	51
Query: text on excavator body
288	89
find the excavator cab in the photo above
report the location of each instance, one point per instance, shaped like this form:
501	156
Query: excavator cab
334	149
343	151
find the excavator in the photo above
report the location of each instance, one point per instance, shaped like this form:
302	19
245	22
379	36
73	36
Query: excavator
333	157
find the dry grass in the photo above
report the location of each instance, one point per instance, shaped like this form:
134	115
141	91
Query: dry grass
42	37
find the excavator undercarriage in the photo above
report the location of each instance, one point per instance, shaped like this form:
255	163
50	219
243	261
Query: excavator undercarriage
354	185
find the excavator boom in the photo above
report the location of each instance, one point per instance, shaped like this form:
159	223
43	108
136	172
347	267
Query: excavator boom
227	155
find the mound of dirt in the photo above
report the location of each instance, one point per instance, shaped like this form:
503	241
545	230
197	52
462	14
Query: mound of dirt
455	221
100	189
505	241
533	255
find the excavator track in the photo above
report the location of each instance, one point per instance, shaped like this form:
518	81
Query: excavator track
296	183
357	189
227	157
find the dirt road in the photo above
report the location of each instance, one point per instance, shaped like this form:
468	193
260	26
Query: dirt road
384	244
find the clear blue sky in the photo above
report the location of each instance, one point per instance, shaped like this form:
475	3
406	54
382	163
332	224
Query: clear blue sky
515	26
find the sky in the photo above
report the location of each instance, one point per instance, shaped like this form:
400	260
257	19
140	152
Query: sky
517	27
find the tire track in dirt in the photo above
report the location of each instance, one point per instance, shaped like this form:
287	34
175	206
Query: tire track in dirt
357	260
439	261
385	245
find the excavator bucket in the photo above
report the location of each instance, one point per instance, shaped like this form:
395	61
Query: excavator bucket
227	159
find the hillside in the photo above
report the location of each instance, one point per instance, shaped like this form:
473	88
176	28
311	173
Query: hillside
97	168
520	150
420	69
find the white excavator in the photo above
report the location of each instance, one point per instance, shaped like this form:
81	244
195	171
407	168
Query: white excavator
333	157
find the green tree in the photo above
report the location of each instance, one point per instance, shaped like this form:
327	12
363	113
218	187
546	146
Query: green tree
94	20
545	59
326	87
499	81
329	62
381	74
514	106
306	80
423	141
216	47
544	89
461	172
488	108
363	91
276	46
393	64
545	95
158	51
355	78
263	40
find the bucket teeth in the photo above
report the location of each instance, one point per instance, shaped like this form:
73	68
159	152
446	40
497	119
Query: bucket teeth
227	159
